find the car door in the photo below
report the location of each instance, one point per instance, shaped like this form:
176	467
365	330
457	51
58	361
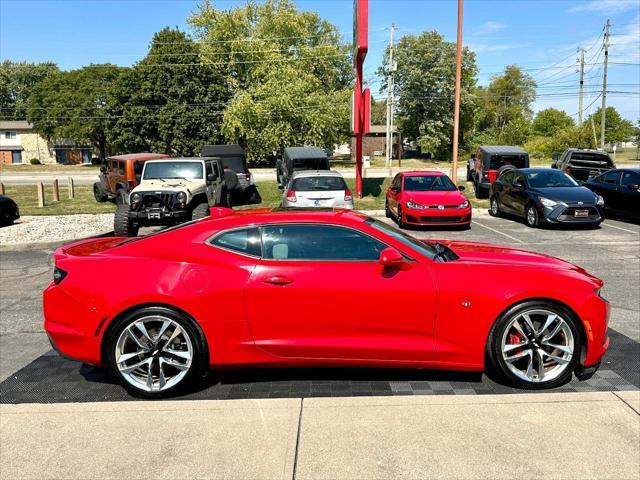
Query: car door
393	193
503	190
518	194
628	200
319	292
609	186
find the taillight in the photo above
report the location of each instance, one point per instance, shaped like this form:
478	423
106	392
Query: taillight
567	171
248	177
347	195
291	196
58	275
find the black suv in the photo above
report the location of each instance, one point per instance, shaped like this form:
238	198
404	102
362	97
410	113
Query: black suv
300	158
490	162
583	164
237	176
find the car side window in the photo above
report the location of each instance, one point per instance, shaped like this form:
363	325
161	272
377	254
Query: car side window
611	178
318	242
396	181
246	241
630	178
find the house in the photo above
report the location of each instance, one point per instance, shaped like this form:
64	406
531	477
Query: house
374	143
19	144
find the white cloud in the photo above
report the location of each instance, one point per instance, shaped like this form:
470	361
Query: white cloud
489	27
608	6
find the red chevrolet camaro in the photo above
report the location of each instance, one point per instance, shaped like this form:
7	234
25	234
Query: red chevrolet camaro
308	288
426	198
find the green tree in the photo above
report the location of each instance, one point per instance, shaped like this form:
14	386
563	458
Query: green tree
17	79
507	97
288	74
71	105
516	132
170	101
548	121
617	129
425	84
378	112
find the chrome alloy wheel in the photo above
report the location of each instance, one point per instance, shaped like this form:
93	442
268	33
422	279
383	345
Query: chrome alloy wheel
495	210
153	353
532	216
537	345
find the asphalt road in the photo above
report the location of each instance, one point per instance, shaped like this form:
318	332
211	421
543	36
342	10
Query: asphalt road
611	252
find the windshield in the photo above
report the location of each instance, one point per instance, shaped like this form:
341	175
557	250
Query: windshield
318	184
413	243
550	178
167	170
428	183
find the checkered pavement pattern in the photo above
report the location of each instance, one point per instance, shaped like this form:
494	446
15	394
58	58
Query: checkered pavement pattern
53	379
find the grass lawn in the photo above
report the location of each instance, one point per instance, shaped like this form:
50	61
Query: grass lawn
49	168
26	196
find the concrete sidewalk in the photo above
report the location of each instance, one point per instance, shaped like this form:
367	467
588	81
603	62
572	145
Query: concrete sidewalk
583	435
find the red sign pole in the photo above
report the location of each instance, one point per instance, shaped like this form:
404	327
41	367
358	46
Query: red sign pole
359	128
361	45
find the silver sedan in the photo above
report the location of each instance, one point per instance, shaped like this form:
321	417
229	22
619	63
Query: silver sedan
317	189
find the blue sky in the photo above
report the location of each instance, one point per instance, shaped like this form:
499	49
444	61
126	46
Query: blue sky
531	33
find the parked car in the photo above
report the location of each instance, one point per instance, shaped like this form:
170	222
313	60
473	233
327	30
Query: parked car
620	189
426	198
491	161
300	287
238	178
545	196
120	174
9	211
583	164
317	189
300	158
172	191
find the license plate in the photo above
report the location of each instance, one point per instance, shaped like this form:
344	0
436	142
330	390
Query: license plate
154	215
581	213
317	203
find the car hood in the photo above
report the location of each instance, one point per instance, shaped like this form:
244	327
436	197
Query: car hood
450	197
488	253
567	194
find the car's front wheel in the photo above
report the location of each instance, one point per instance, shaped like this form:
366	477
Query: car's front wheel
155	352
494	209
535	345
531	216
122	226
399	219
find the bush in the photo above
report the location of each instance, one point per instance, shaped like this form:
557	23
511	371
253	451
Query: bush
34	161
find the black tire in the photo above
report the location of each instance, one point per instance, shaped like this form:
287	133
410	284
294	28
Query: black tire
122	226
200	211
231	180
253	196
121	197
387	212
199	360
532	220
494	210
399	219
495	356
99	194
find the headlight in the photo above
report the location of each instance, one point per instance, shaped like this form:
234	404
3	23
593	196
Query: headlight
464	204
602	293
548	203
135	197
181	197
600	200
415	206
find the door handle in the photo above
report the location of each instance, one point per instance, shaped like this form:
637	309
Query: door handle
278	280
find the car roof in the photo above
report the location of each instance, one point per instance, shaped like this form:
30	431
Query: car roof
219	150
587	150
186	159
132	157
433	173
304	152
315	173
501	149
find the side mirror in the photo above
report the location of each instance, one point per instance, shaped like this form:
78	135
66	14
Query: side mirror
390	257
462	188
518	186
395	189
211	177
280	187
138	178
103	169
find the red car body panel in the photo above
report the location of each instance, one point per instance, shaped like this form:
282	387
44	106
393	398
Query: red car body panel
445	204
338	313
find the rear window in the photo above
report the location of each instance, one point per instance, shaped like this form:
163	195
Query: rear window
236	163
518	161
311	164
315	184
593	160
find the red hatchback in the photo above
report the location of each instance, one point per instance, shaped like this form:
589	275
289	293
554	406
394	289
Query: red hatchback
426	198
310	288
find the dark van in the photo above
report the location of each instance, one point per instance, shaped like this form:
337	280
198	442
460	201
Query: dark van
491	161
238	178
300	158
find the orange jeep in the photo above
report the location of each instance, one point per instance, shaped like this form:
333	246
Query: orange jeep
120	174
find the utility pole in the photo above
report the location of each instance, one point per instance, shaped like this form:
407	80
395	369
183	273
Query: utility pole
456	106
581	87
390	88
603	110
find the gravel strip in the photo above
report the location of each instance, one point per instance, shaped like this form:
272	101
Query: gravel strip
54	228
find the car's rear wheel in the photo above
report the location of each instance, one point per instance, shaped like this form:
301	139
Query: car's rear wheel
99	194
155	352
535	345
531	216
494	209
122	226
